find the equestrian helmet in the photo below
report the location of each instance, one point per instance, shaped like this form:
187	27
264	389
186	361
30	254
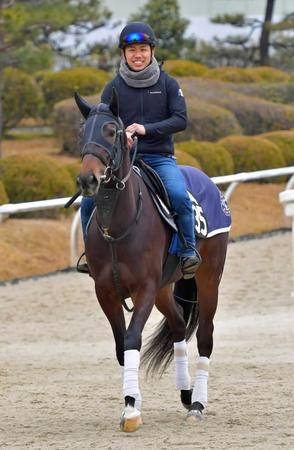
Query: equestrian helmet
137	33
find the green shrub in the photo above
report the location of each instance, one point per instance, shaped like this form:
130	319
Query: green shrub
29	177
253	114
208	122
22	97
184	159
252	153
3	194
73	169
184	68
256	115
233	74
67	121
275	92
285	141
214	158
269	74
61	85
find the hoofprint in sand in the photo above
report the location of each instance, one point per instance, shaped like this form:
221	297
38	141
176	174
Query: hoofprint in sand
60	385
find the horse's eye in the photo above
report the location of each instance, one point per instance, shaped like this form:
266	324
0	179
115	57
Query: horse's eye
109	132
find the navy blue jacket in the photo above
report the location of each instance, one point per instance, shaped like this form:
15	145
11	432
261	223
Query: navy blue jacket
161	108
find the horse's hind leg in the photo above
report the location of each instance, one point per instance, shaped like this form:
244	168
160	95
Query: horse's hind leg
167	306
208	277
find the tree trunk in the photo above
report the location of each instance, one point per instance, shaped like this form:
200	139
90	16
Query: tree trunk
1	107
265	33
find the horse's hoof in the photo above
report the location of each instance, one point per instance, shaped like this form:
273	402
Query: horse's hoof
194	415
195	412
131	419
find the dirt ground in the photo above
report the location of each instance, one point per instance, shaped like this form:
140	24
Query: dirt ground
60	385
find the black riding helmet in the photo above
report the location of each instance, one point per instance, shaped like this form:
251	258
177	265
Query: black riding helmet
137	32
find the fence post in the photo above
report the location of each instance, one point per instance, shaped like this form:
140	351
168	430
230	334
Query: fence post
287	199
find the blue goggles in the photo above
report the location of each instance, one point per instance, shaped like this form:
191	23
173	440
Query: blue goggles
132	38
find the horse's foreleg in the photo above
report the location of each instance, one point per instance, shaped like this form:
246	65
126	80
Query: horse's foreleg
113	310
131	416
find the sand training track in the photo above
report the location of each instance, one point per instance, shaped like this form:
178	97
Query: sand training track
60	386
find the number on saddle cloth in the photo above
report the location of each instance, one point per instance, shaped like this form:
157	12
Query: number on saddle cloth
212	214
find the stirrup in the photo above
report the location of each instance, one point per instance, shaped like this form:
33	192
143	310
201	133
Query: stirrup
82	267
190	264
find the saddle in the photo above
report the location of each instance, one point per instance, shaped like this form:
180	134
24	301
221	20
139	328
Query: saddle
157	191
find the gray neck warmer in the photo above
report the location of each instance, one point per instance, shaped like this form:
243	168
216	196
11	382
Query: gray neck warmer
141	79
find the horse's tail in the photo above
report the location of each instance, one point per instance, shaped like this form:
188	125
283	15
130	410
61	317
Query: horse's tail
159	350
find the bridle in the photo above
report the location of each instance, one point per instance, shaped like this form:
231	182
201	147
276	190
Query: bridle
111	155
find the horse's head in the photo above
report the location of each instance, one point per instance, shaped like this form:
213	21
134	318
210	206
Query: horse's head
102	143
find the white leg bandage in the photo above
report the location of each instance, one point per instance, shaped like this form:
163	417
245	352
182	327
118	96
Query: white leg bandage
131	376
200	387
183	379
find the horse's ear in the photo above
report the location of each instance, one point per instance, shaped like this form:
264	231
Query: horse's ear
114	106
83	105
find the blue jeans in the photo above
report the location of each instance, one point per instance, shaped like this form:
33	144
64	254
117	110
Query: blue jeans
173	180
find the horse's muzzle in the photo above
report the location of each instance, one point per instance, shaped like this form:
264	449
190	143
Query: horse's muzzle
88	184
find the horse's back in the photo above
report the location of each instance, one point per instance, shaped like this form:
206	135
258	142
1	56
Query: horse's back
210	199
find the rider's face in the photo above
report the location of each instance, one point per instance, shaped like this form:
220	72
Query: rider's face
138	56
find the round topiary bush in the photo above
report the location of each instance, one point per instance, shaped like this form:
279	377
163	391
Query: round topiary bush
184	68
67	121
61	85
233	74
3	194
207	122
29	177
73	169
22	97
285	141
214	158
256	115
185	159
252	153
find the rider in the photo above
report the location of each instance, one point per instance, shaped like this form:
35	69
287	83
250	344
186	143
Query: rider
152	106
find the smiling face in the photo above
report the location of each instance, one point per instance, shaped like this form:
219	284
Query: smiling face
138	56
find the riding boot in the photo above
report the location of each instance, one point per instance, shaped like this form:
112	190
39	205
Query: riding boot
189	265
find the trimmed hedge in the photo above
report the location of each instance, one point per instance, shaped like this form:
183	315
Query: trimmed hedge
253	114
285	141
184	68
214	158
233	74
257	116
3	194
248	74
252	153
275	92
269	74
184	159
208	122
29	177
61	85
67	121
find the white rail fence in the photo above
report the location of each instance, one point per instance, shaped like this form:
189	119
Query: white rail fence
232	180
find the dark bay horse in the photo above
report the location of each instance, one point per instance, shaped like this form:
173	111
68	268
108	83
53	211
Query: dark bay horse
126	247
